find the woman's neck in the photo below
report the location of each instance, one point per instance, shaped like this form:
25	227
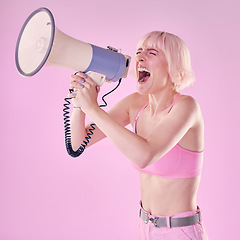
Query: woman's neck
161	100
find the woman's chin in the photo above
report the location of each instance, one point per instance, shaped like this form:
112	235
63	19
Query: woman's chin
142	91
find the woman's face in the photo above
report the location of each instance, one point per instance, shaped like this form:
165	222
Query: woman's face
151	69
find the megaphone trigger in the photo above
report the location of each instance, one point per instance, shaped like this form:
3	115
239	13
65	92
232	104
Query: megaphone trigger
98	78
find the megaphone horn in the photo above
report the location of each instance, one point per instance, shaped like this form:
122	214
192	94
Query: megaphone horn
41	43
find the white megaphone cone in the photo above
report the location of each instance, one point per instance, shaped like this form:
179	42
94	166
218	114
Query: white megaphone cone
41	43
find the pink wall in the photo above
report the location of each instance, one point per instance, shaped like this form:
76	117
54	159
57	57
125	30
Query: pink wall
44	193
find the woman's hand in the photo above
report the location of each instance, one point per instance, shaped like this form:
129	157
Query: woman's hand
85	92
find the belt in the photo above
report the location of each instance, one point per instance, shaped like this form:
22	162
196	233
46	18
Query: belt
170	221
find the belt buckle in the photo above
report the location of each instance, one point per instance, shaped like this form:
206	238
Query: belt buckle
154	221
162	222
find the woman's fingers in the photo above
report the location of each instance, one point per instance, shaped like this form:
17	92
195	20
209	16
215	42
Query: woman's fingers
80	80
72	95
84	89
98	88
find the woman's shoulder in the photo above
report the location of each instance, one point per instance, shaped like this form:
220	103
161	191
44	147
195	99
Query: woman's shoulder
187	106
188	102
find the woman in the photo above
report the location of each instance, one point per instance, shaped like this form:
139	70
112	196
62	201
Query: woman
167	143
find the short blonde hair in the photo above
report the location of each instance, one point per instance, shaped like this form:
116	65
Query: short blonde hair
177	55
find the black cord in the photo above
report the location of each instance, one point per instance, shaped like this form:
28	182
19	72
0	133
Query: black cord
67	126
105	103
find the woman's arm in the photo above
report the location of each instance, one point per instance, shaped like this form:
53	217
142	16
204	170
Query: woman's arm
118	113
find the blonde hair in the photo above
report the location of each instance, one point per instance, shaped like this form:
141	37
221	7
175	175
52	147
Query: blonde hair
177	55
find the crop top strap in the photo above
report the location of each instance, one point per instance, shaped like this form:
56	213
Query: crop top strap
134	125
141	111
169	109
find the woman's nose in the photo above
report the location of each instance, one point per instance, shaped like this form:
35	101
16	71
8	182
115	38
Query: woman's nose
140	57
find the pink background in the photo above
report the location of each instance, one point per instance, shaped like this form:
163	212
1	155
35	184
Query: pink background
44	193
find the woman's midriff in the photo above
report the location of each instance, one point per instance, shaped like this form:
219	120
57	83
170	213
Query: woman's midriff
166	197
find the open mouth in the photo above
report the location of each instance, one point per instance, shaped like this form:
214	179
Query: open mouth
144	74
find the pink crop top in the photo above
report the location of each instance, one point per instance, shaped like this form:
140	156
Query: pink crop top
177	163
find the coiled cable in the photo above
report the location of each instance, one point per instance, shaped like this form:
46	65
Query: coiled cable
67	126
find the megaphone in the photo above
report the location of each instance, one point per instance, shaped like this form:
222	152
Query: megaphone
41	43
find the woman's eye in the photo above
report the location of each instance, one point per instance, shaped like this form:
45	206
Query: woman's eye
153	53
138	53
